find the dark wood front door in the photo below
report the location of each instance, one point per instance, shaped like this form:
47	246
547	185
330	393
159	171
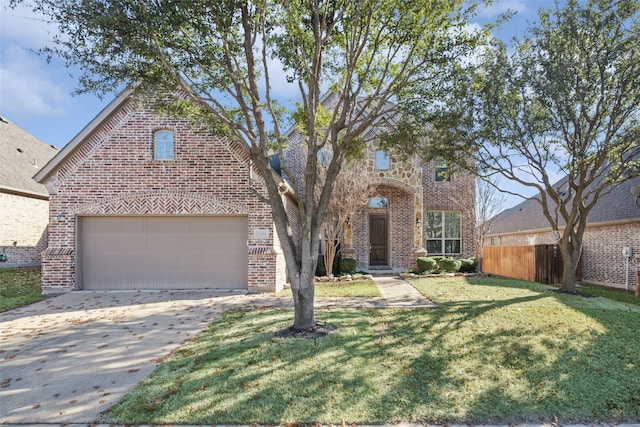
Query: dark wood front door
379	253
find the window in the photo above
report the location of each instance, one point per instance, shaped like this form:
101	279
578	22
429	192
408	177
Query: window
378	202
442	171
382	160
443	232
324	156
163	145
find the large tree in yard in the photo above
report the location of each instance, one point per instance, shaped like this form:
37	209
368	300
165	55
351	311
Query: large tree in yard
563	101
228	58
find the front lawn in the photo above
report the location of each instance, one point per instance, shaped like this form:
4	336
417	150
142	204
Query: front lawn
610	293
496	351
18	287
355	289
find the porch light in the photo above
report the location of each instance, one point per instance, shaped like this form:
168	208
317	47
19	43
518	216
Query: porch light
418	222
635	192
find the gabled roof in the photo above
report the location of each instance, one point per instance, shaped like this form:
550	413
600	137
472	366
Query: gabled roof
616	206
86	132
22	156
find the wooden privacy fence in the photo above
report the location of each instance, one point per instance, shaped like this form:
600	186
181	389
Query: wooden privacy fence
539	263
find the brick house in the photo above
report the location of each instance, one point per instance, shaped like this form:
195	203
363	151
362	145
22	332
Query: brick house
143	201
614	223
24	203
417	209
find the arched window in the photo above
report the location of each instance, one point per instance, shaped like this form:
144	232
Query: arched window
378	202
163	145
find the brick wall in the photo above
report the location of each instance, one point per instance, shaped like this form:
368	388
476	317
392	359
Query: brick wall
602	259
23	229
411	189
455	195
113	172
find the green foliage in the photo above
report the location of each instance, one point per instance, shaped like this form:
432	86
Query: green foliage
321	269
426	264
468	265
347	265
18	287
560	101
449	265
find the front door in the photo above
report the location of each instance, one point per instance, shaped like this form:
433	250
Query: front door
379	253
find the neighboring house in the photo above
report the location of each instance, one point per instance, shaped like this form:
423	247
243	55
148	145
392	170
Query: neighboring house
613	224
142	201
416	210
24	206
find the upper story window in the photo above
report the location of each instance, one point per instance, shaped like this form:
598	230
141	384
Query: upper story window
378	202
442	171
382	160
163	145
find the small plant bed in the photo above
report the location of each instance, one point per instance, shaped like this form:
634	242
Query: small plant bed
497	351
348	289
610	293
18	287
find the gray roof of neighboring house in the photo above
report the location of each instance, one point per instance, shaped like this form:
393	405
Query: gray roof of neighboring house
22	157
617	205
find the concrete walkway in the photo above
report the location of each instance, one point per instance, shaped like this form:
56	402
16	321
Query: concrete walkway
67	359
397	292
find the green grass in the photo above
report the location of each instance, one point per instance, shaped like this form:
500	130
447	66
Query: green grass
18	287
356	289
610	293
497	351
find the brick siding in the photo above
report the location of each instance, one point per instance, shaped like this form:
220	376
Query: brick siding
23	229
455	195
113	172
411	190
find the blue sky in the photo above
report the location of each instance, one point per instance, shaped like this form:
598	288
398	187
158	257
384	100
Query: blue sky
36	95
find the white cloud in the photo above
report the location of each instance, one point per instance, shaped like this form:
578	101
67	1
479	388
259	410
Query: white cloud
498	7
27	87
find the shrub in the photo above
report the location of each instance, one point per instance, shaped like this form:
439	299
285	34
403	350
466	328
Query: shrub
321	270
426	264
449	265
468	265
347	265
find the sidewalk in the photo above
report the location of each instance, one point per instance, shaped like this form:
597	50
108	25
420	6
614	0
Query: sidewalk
397	292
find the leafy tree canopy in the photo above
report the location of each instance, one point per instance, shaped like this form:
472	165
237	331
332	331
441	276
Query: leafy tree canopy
227	58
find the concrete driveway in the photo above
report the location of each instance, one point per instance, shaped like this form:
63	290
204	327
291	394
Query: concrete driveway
69	358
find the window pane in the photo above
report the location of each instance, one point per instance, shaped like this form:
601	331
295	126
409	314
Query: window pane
378	202
452	246
164	145
434	246
382	159
434	224
452	225
442	171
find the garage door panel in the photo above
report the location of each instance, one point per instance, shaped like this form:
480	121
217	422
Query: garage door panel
163	252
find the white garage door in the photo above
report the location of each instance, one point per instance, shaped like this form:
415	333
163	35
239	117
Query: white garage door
164	252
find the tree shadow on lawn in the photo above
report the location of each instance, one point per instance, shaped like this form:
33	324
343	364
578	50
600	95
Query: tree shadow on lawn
522	353
518	359
250	375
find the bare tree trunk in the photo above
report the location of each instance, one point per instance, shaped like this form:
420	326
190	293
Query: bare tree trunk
302	288
570	252
569	275
329	255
